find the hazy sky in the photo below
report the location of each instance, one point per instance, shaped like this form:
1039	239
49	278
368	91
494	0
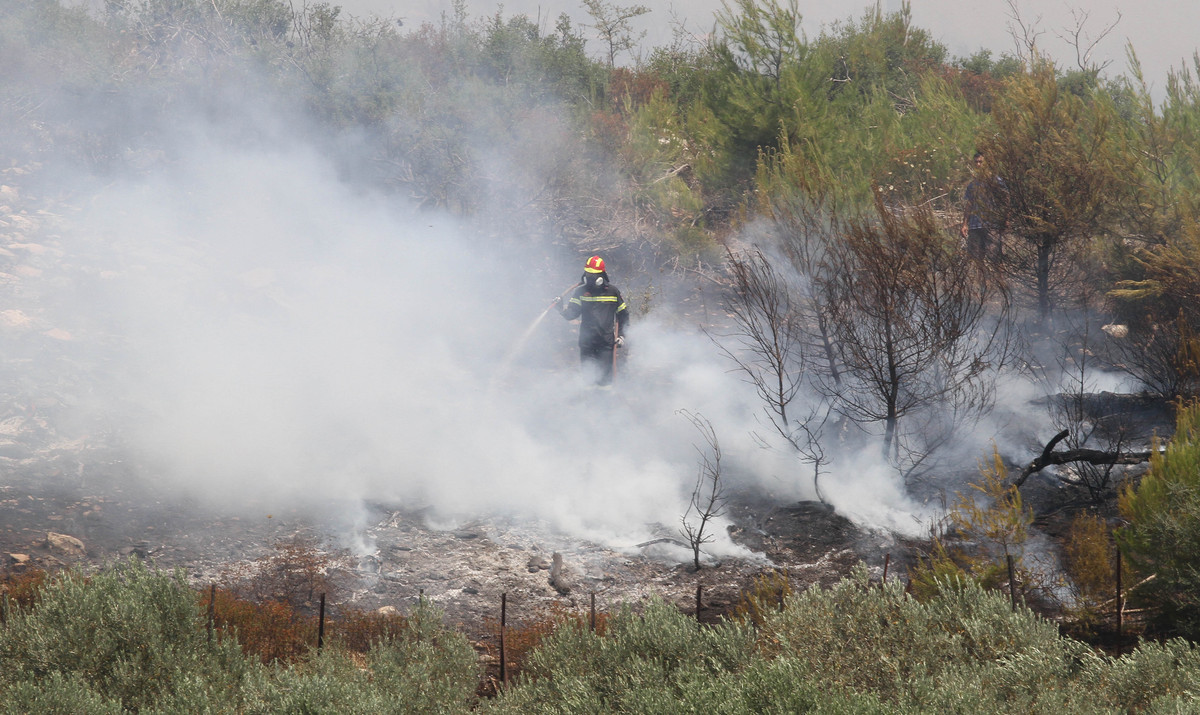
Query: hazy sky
1162	31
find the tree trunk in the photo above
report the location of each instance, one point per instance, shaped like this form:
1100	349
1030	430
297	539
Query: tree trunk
827	344
1045	246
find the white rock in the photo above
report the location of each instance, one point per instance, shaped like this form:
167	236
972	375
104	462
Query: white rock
65	545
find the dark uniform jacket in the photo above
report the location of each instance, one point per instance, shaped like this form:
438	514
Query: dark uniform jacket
597	310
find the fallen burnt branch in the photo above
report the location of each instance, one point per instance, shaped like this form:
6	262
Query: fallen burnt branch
1091	456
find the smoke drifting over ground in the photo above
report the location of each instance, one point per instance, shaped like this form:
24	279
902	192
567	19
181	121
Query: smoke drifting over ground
262	334
258	331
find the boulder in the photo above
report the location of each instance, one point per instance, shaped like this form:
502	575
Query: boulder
65	545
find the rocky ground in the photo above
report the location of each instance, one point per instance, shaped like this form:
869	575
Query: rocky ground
57	511
69	497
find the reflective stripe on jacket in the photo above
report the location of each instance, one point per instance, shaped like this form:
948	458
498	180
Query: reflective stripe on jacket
598	311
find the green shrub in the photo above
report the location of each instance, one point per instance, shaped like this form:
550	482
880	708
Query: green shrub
129	634
57	694
128	639
328	682
426	669
430	668
1162	537
644	663
880	640
1153	674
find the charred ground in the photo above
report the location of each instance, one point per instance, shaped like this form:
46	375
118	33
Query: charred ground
394	554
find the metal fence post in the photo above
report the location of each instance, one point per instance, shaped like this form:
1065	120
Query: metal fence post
212	609
321	625
1012	583
503	624
1120	604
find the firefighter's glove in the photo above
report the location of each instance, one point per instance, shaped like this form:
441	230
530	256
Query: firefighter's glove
620	341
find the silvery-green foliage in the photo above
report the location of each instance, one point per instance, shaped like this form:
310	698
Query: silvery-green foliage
778	686
1035	681
1153	674
660	635
645	663
204	694
427	669
326	683
57	694
434	673
886	642
967	651
662	661
131	634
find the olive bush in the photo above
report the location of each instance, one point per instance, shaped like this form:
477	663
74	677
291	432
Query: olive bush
129	638
127	635
854	647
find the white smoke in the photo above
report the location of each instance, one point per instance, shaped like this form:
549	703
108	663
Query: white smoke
271	336
279	338
283	339
261	332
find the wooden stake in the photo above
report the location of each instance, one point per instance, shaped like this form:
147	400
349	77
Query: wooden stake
593	615
699	595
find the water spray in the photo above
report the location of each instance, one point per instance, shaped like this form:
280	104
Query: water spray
524	338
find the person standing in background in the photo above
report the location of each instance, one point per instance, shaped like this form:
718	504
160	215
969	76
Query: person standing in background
602	315
984	217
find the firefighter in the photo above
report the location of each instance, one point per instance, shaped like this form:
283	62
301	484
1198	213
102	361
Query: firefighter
602	315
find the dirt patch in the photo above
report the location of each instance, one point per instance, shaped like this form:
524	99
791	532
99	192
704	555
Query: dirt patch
399	556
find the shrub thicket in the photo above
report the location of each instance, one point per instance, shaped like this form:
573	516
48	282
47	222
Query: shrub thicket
851	648
129	638
127	634
132	639
1162	537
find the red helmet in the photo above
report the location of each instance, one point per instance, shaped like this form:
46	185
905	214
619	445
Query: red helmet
595	264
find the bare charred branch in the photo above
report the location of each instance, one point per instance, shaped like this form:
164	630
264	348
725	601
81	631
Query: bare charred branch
1049	457
708	498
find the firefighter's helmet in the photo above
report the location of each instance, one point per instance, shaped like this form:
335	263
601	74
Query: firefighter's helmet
595	264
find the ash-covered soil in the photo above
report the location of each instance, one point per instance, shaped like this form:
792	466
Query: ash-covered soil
69	497
393	555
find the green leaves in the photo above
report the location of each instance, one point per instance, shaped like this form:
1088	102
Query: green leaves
1162	537
853	647
130	638
130	634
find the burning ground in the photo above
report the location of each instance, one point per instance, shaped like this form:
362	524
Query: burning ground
238	348
201	407
98	467
78	505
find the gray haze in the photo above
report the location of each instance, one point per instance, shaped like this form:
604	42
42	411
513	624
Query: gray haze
261	332
257	332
